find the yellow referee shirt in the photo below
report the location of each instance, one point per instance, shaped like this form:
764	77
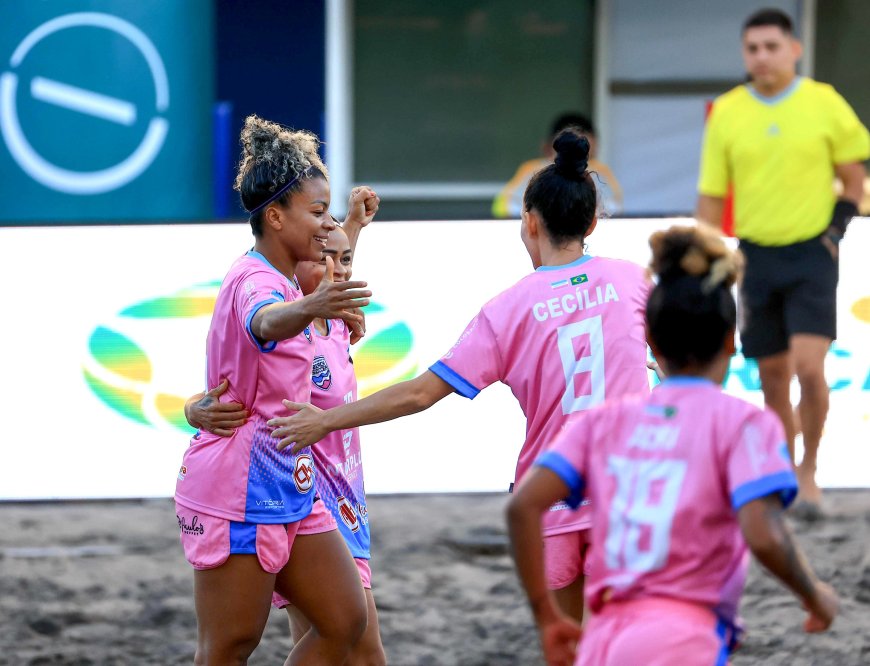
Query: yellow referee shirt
779	154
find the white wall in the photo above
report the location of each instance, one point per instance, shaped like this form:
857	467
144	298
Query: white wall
62	284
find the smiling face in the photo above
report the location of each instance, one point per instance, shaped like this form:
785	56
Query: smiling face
310	273
304	224
770	55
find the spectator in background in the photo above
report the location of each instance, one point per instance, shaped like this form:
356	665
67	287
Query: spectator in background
509	202
779	140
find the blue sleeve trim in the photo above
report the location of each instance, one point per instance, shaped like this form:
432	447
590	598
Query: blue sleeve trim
556	462
782	483
461	385
254	310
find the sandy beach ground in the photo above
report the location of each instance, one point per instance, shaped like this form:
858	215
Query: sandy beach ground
106	583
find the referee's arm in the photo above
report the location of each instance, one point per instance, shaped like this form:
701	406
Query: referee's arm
709	210
852	176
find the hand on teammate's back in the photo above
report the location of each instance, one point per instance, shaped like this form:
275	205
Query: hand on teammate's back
338	300
301	429
210	414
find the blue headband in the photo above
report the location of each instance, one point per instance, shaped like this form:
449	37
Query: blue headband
280	191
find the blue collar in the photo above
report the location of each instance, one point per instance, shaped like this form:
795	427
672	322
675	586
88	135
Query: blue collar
778	97
686	380
573	264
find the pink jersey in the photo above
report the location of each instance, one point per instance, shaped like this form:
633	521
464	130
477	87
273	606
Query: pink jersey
666	475
244	477
337	457
564	338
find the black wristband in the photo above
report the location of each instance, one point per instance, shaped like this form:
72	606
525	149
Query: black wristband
844	211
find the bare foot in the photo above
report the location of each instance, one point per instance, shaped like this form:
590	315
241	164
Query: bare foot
808	489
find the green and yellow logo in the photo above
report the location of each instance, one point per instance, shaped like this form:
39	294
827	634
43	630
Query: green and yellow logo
384	356
139	365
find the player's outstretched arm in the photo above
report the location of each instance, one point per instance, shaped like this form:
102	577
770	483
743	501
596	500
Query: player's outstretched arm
533	496
331	300
770	540
205	412
310	424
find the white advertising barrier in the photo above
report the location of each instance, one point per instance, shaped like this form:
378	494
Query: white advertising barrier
104	338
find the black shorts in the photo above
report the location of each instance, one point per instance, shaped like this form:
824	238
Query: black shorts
786	290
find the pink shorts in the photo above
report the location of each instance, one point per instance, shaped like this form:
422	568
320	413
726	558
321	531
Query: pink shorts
631	632
208	541
565	558
318	521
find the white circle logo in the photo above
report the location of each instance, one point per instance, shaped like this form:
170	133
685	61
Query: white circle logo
84	101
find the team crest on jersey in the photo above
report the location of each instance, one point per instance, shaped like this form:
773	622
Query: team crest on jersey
348	515
182	472
303	473
307	333
320	374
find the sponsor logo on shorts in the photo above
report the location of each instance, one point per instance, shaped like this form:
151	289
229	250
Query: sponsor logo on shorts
182	472
194	527
303	474
348	515
320	374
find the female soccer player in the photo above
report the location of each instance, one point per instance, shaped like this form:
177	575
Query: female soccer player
239	501
337	458
563	338
673	478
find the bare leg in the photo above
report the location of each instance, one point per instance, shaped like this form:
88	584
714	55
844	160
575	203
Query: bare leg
570	599
232	606
369	651
299	624
809	353
322	582
776	373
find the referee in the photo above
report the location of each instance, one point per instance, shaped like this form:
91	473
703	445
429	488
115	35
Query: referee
778	141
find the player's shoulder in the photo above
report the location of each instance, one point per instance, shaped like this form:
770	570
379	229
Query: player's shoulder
252	273
736	414
250	264
511	293
621	266
618	408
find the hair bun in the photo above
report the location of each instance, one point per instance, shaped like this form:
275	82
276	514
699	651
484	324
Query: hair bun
694	251
572	153
283	152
